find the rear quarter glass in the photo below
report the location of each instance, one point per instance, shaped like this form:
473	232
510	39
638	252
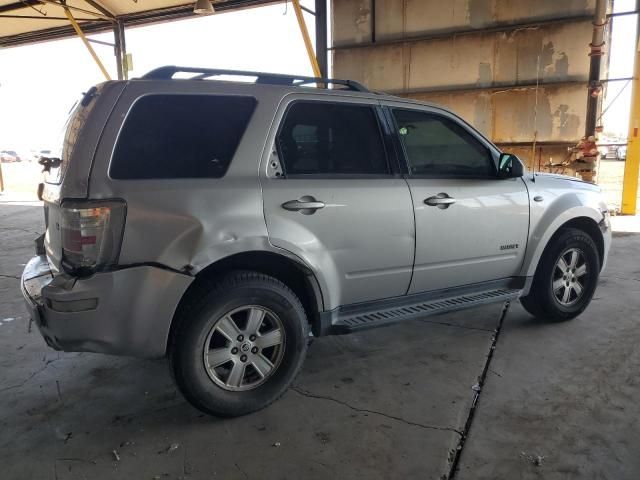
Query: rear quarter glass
180	136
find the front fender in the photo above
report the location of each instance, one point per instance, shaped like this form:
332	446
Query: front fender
547	219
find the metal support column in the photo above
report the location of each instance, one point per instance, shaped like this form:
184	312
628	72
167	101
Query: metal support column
632	163
321	37
307	40
595	86
120	48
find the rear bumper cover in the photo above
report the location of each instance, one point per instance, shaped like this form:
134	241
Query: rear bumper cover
122	312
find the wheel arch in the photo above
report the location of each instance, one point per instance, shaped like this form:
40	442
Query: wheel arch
585	223
294	274
591	228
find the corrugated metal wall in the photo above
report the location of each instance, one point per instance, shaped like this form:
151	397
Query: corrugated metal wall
480	58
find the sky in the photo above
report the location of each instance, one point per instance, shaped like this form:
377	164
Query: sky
622	50
40	83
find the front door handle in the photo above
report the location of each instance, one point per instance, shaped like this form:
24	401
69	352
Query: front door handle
305	205
441	200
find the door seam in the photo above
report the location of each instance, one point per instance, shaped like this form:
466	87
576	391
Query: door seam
415	235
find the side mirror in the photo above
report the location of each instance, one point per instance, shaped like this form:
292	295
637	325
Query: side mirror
510	166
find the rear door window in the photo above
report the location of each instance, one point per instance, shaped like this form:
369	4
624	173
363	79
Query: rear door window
180	136
322	138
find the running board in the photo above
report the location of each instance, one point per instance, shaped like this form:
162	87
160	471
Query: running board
354	319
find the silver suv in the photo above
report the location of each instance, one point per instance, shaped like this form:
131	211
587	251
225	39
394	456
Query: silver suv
220	222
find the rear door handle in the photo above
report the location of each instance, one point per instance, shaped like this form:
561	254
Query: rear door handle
441	200
305	205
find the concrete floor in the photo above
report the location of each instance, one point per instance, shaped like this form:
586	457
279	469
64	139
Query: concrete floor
558	401
610	178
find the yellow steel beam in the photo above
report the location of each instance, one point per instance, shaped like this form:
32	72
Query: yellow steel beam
630	182
307	40
80	33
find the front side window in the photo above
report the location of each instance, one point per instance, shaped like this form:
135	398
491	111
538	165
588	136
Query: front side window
328	138
438	146
180	136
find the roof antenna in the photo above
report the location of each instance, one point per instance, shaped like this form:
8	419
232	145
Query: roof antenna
535	124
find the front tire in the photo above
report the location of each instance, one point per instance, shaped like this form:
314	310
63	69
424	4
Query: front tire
239	345
566	277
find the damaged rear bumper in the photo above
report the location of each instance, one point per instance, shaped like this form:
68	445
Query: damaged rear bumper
122	312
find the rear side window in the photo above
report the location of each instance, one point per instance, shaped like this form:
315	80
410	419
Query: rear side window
180	136
329	138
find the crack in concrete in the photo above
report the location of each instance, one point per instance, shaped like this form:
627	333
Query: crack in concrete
9	276
75	459
130	416
244	474
20	229
426	320
620	278
308	394
24	382
476	397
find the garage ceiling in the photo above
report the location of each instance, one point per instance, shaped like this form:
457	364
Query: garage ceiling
29	21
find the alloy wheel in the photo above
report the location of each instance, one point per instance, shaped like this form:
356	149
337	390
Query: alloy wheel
570	277
244	348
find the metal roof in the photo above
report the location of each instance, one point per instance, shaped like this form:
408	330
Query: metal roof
30	21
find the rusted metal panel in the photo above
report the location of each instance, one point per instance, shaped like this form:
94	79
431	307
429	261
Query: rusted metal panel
442	52
350	21
514	115
377	68
479	59
406	18
547	158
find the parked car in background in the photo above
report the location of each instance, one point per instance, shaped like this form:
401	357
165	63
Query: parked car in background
612	152
9	156
612	148
622	152
37	155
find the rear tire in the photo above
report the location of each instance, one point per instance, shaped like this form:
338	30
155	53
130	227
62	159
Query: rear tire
566	277
239	345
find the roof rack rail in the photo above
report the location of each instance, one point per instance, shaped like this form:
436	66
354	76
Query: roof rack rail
167	73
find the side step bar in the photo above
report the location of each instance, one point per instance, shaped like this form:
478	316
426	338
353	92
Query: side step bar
351	321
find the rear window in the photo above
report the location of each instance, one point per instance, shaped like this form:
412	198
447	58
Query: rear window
180	136
68	136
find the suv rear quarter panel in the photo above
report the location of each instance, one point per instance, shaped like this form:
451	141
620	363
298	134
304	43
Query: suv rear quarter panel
187	224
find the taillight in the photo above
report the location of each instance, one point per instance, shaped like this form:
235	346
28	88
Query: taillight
91	234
